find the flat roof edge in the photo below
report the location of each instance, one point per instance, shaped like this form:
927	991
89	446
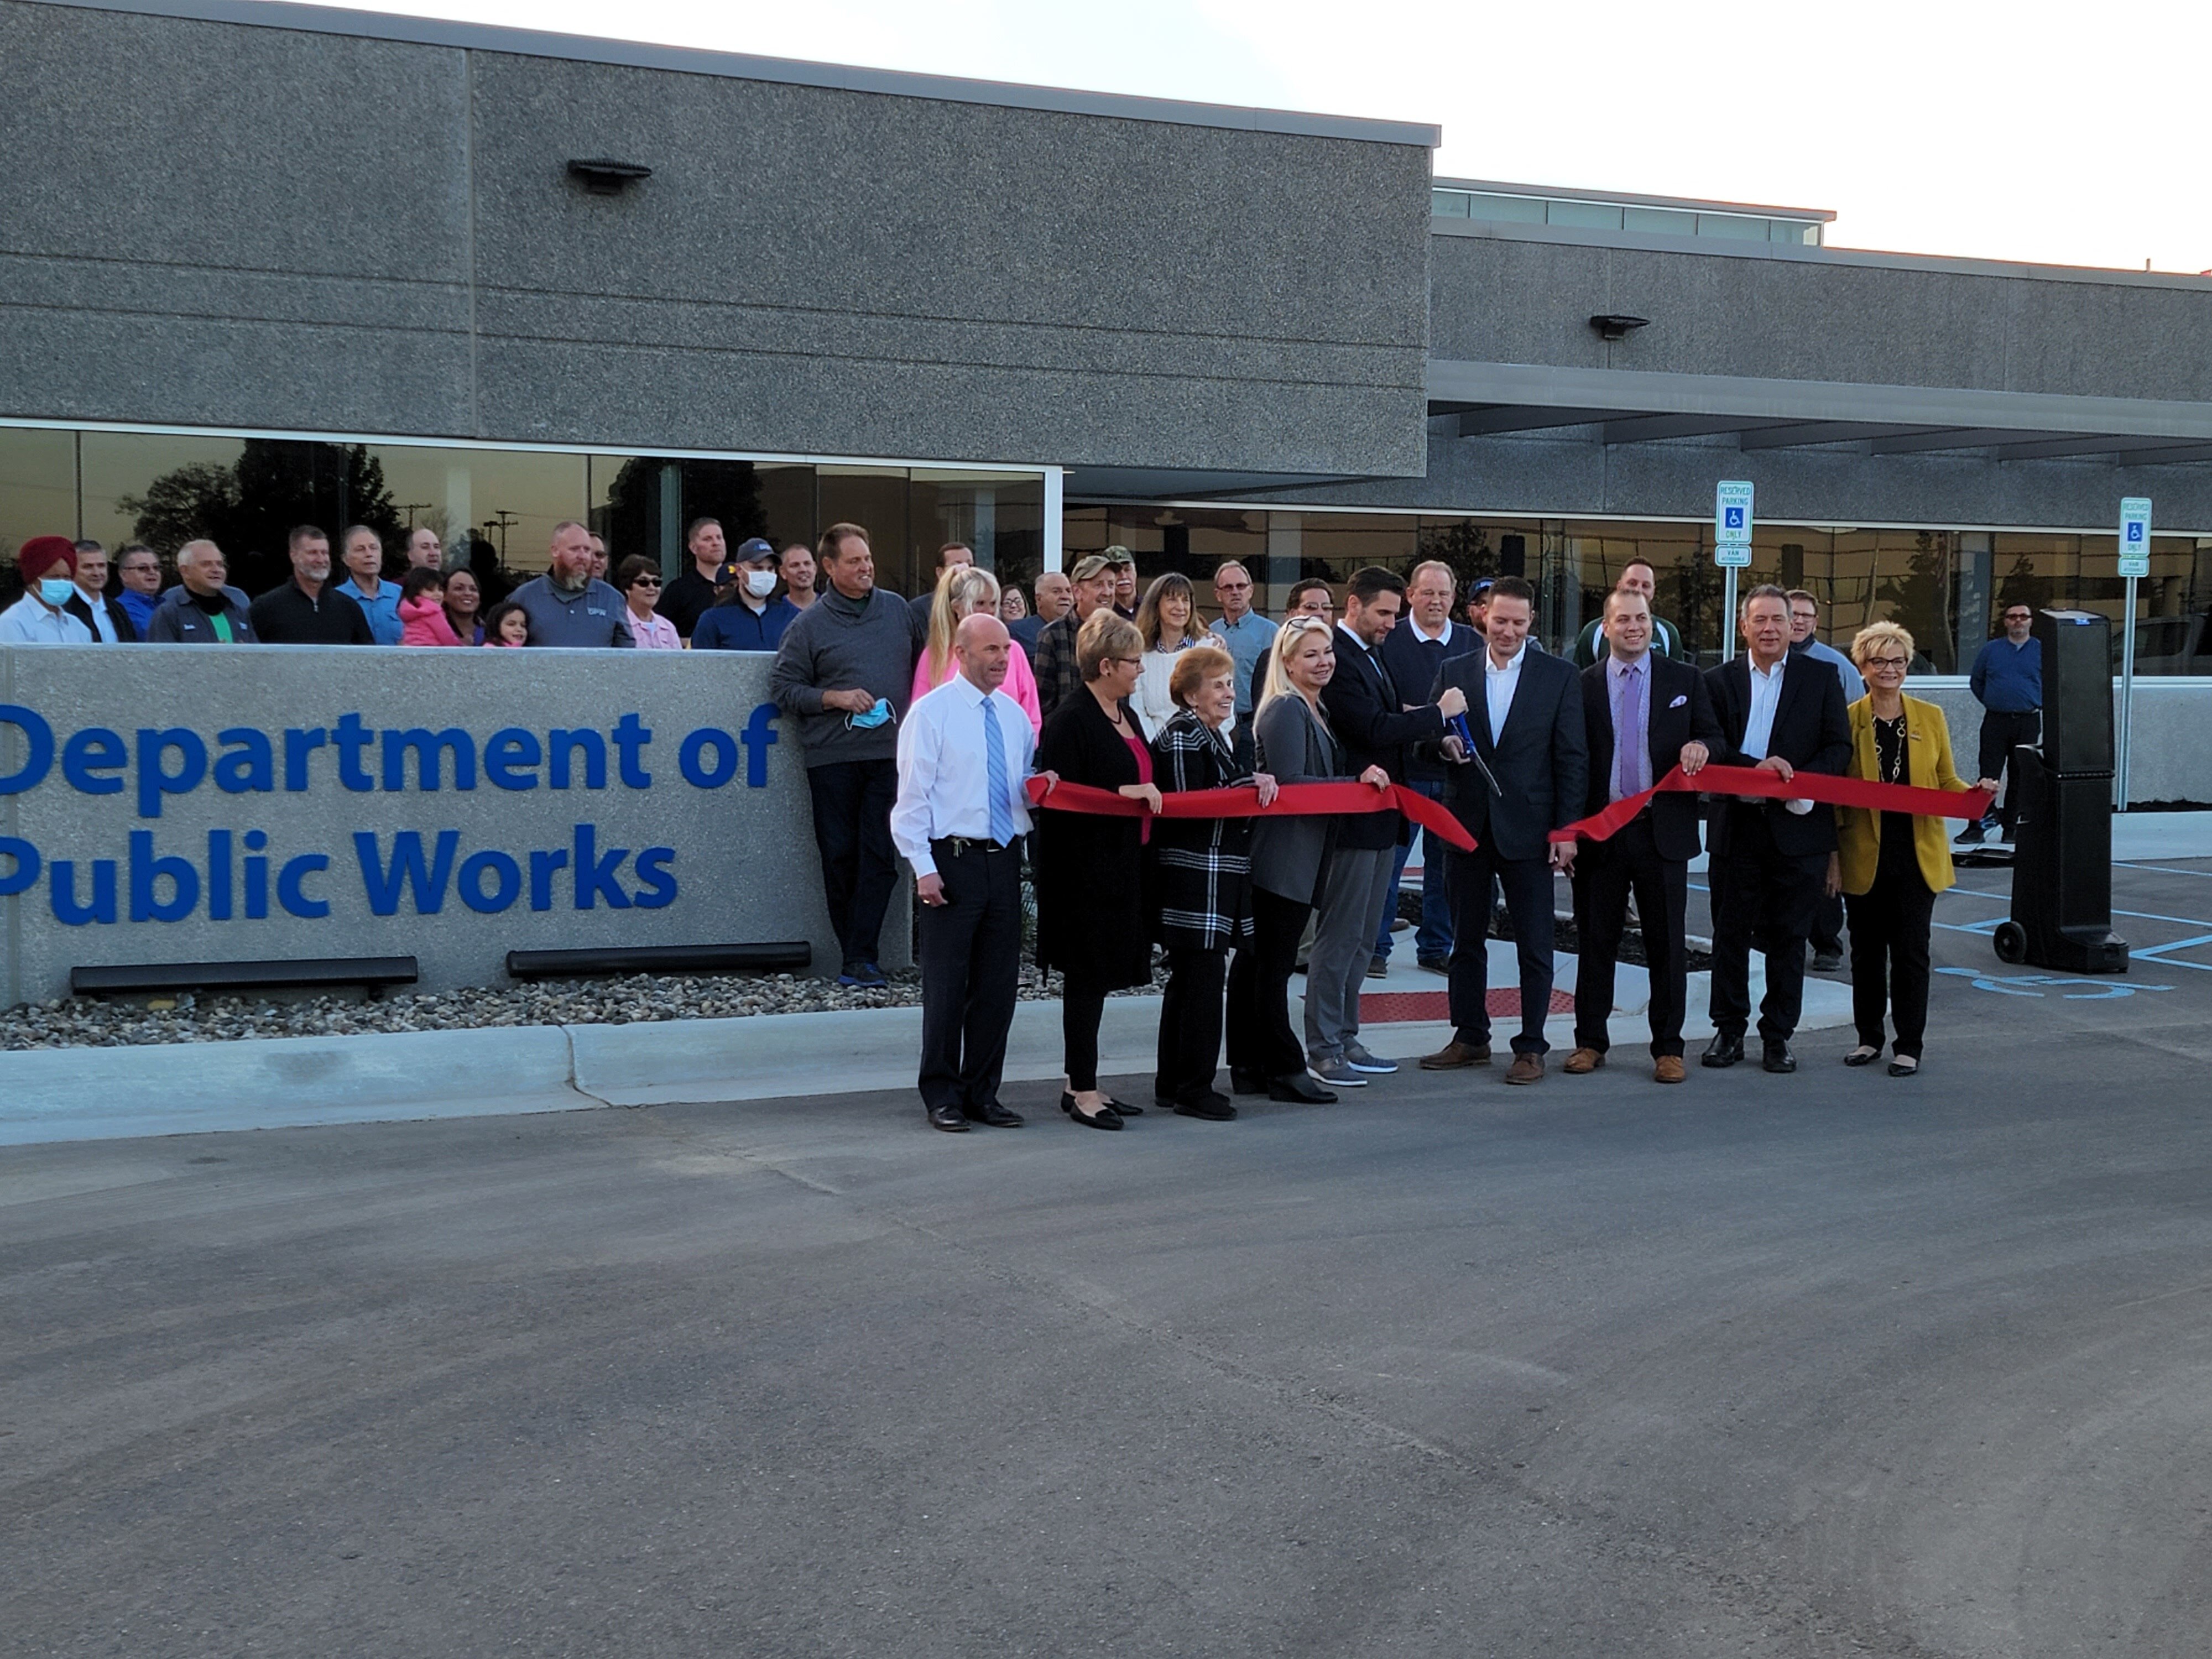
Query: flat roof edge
1828	254
1687	203
838	78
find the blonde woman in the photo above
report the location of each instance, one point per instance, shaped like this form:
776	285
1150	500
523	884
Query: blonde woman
1890	865
962	592
1167	621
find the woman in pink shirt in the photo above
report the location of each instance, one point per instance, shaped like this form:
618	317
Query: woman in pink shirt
961	592
423	609
638	579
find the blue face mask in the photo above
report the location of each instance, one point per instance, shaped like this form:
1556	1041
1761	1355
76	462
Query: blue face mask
56	591
875	717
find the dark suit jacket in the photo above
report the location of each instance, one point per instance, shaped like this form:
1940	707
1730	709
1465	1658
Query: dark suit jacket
1363	711
126	631
1414	663
1541	761
1681	712
1811	730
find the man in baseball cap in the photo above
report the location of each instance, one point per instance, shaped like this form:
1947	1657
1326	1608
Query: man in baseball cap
747	617
48	567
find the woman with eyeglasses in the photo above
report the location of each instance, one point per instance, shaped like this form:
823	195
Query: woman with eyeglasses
1290	863
1091	909
1890	865
638	580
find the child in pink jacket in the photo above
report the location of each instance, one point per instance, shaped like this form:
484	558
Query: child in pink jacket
423	609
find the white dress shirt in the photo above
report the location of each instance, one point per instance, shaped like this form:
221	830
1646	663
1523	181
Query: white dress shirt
28	622
943	770
1765	698
1498	685
103	625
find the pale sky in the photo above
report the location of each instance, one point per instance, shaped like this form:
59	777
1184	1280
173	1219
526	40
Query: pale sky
2073	134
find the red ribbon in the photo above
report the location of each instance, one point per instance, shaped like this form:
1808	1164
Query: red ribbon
1803	786
1291	800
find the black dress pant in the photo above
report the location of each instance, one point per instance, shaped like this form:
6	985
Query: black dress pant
1768	900
852	802
1527	884
1605	873
971	971
1889	957
1190	1024
1081	1008
2001	733
1261	1041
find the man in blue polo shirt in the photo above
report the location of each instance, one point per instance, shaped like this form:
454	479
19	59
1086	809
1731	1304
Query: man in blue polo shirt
378	598
1246	632
2007	679
748	615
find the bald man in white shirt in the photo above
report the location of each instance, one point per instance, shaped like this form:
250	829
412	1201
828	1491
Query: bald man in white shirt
965	751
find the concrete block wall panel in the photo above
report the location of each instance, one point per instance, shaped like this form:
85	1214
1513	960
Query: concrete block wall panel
319	231
1822	315
744	865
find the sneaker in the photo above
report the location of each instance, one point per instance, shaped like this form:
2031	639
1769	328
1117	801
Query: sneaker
1973	835
1378	967
864	975
1828	962
1359	1060
1337	1073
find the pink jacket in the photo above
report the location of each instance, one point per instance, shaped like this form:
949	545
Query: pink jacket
424	623
1021	683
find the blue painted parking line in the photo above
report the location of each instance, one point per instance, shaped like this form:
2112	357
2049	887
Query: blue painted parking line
2029	985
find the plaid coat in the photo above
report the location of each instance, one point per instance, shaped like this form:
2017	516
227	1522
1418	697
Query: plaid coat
1202	866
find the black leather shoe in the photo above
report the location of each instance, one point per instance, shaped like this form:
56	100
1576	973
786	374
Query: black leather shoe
1108	1118
1722	1050
1299	1089
1247	1083
1212	1106
1776	1057
995	1116
1828	962
951	1119
1119	1108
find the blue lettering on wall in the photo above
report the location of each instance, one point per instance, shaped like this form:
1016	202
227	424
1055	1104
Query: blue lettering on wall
707	758
543	863
507	876
595	874
563	743
218	875
25	869
67	910
248	762
760	731
90	754
293	895
427	878
631	736
154	779
147	870
660	890
511	758
428	746
348	736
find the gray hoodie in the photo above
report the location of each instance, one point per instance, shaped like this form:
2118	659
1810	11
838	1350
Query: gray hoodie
838	644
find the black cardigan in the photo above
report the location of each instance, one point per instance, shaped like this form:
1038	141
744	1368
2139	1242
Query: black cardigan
1091	870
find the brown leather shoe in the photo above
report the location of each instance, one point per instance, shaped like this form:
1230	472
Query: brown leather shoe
1455	1054
1525	1068
1667	1068
1584	1060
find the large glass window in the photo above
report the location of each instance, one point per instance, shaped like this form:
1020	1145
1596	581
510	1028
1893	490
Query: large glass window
38	487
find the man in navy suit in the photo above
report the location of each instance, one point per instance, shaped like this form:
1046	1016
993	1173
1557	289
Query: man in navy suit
1645	716
1414	653
1785	715
1526	776
1370	720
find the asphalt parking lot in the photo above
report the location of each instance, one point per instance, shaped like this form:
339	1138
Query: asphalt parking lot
1825	1364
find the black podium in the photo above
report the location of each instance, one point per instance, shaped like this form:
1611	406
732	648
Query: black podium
2061	867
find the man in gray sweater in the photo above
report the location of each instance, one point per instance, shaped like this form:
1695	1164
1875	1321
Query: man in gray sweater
567	605
844	672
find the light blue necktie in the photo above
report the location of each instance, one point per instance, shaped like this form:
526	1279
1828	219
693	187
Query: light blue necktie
994	748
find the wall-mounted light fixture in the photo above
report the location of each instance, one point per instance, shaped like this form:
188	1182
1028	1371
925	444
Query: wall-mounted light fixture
1610	326
606	177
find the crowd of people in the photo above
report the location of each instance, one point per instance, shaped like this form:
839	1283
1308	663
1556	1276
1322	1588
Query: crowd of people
923	721
1467	710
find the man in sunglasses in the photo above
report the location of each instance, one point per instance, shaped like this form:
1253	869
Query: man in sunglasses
2008	681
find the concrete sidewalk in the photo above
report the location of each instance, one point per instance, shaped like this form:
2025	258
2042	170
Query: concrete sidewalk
86	1094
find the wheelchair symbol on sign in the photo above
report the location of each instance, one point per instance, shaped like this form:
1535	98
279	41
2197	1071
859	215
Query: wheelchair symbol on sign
2022	985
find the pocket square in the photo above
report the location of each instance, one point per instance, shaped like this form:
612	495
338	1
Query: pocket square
1678	703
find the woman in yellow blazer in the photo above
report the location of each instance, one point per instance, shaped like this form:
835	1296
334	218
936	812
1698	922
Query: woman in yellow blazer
1890	865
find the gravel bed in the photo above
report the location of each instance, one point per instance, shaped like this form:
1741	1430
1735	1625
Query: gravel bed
87	1021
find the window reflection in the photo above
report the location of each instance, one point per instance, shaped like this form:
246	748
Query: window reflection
38	487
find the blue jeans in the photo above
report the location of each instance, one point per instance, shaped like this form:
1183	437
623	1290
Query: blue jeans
1433	939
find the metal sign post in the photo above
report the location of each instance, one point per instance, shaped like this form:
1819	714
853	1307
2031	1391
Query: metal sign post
2135	564
1731	548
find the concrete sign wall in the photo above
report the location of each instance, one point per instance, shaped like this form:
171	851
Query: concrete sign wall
182	804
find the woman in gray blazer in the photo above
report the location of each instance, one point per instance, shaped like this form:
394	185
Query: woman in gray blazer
1289	860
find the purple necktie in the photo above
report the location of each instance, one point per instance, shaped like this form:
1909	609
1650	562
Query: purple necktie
1631	744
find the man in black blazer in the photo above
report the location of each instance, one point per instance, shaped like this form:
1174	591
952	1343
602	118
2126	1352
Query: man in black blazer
1770	857
1414	653
108	620
1374	726
1527	775
1645	715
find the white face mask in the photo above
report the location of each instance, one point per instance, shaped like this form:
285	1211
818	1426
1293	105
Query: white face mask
760	583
